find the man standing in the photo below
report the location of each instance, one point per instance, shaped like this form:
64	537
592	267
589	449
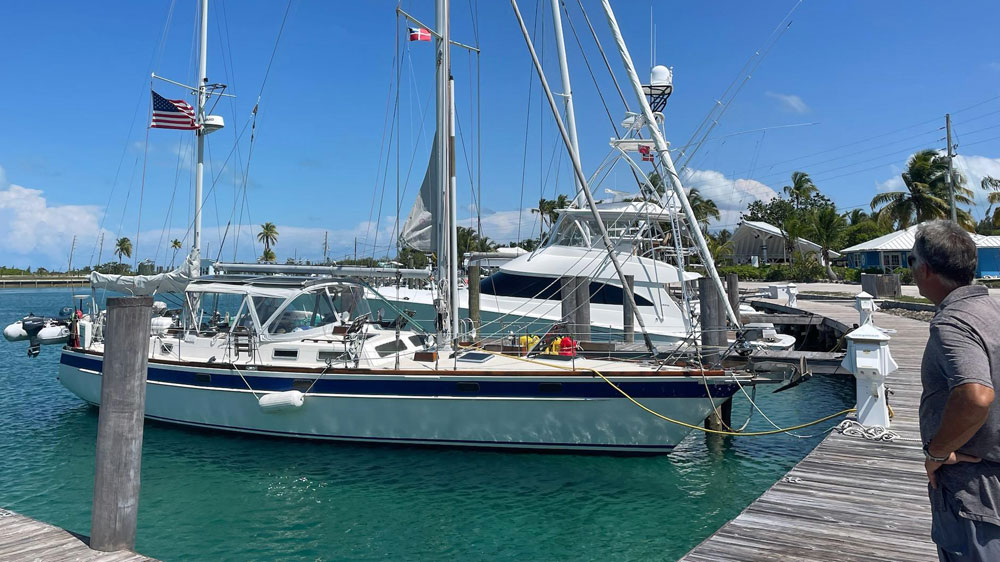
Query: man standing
959	421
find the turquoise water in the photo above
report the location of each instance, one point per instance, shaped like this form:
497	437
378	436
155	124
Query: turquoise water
218	496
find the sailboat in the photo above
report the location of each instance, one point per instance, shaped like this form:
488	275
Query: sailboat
302	357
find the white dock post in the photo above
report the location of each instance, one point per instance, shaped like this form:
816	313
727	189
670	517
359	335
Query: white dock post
869	359
793	293
865	305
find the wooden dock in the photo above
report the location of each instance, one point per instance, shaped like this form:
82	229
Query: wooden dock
850	498
23	538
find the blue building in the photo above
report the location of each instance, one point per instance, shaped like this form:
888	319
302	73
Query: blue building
892	250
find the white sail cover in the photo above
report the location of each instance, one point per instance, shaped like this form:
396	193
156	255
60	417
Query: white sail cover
418	231
174	281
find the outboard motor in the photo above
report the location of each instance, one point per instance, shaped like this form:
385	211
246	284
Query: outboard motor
31	326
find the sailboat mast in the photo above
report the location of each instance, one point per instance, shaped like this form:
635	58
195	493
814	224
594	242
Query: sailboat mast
452	216
567	93
662	150
443	189
200	166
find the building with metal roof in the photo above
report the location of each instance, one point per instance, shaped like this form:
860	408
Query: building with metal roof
891	251
760	243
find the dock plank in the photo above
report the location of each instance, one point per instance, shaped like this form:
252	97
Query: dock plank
874	492
24	538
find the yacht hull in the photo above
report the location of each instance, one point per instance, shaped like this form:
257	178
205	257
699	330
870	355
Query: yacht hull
553	413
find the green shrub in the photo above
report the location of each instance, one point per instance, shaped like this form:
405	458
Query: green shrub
905	275
746	272
806	268
847	274
777	272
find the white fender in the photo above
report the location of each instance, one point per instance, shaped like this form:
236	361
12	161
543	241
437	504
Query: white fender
281	401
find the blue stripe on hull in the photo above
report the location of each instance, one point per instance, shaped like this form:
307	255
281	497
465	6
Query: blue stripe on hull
333	384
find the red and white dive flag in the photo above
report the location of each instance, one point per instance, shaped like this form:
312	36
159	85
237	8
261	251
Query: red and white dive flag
419	34
172	114
647	156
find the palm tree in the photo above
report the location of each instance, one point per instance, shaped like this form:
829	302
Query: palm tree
826	228
123	247
720	247
926	196
268	235
704	209
469	241
856	217
657	182
793	229
801	190
548	208
175	244
992	186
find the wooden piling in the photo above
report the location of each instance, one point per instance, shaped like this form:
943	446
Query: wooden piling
119	426
583	308
628	315
567	294
474	314
733	291
713	344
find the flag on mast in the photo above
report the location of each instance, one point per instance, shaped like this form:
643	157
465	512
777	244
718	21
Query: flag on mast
172	114
647	156
419	34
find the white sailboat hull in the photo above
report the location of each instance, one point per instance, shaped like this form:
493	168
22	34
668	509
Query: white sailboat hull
570	421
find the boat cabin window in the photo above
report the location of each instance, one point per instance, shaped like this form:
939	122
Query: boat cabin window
529	287
216	311
266	307
349	301
305	312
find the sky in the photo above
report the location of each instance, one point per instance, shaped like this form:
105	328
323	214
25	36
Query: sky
846	93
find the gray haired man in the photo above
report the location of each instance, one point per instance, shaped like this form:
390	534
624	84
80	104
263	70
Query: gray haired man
959	420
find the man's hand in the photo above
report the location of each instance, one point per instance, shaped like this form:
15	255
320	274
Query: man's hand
932	466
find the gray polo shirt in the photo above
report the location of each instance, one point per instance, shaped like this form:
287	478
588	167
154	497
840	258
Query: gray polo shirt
964	347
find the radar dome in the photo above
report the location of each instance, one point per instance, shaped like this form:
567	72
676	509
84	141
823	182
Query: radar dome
661	76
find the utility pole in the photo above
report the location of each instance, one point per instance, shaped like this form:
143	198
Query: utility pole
951	172
72	247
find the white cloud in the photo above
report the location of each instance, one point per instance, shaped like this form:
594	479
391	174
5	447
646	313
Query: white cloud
40	234
791	102
502	226
731	195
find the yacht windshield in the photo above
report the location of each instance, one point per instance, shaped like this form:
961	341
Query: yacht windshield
305	312
574	231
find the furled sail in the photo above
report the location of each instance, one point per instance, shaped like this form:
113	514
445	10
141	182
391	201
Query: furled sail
418	231
173	281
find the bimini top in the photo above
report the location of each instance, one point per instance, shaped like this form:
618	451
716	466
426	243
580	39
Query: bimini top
263	285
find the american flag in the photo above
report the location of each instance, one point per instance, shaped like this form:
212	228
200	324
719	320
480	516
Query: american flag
172	114
419	34
647	156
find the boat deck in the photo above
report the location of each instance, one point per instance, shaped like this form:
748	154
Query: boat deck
24	538
850	498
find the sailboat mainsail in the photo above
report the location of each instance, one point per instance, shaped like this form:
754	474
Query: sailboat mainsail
418	231
173	281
